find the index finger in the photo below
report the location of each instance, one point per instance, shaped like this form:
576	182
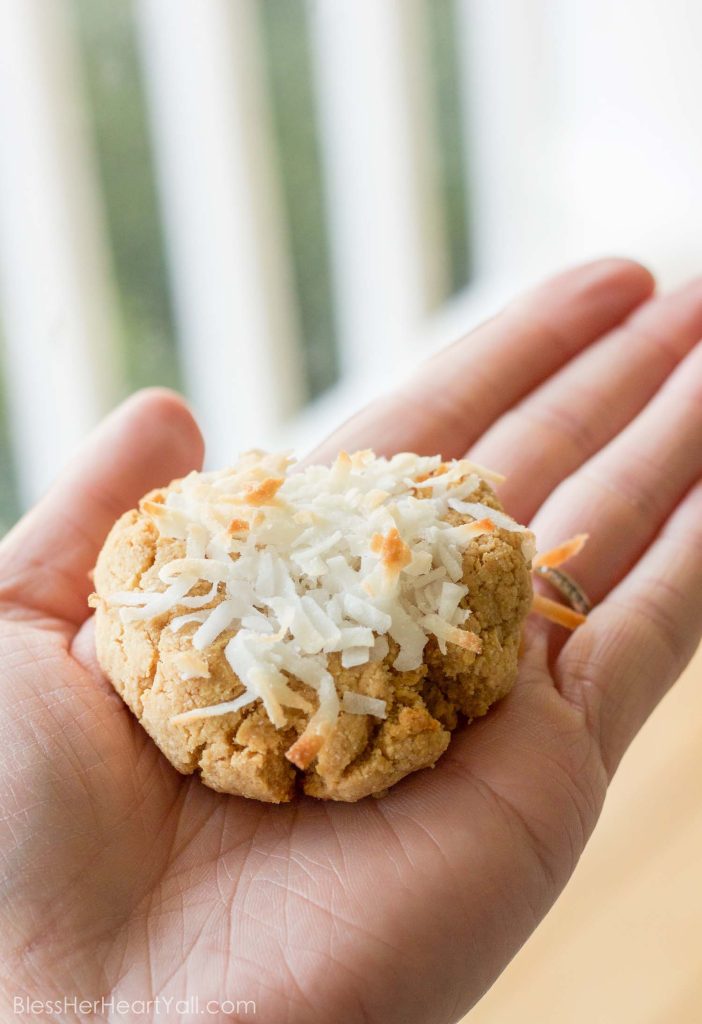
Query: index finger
455	396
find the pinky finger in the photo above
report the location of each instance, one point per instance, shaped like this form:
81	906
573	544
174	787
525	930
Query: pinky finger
639	640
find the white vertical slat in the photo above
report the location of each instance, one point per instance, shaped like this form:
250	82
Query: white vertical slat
584	135
222	213
631	132
56	301
374	192
511	96
423	116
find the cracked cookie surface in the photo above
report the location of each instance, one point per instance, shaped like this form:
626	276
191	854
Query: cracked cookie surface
243	752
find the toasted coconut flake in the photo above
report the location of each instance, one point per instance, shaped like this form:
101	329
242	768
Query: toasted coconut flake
460	637
562	553
394	553
191	665
153	508
237	526
556	612
467	531
482	526
170	522
263	493
375	498
479	511
501	520
491	475
304	750
361	458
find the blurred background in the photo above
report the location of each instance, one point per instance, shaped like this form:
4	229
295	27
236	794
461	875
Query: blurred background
277	207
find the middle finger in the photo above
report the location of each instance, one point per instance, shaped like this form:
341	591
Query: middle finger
577	411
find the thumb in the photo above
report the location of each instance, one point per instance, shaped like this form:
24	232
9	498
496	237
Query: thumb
45	560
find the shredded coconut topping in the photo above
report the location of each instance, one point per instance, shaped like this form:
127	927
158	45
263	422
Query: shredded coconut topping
304	564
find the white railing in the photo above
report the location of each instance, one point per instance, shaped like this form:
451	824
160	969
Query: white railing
58	311
234	300
229	260
525	120
363	73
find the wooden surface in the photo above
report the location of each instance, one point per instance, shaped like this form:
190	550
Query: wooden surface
624	942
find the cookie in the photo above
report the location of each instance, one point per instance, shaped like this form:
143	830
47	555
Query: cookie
323	629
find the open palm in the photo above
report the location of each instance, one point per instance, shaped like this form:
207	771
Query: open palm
123	880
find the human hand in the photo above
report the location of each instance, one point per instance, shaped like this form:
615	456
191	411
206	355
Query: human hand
122	879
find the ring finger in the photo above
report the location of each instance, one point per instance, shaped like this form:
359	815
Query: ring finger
622	496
